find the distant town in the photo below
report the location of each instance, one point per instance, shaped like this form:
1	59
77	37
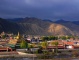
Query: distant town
18	44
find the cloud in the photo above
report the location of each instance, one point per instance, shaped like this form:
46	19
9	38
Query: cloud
44	9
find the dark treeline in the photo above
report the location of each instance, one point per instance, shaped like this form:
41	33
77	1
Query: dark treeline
57	37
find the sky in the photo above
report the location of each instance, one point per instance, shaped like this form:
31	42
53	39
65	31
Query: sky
43	9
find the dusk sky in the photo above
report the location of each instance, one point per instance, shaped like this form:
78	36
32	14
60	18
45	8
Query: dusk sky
43	9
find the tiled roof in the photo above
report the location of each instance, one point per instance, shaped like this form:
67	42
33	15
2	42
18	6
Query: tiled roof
59	47
69	43
13	42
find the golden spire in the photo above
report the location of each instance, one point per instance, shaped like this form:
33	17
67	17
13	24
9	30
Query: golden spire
18	36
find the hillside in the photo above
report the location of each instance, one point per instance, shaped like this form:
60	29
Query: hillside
72	25
35	26
9	27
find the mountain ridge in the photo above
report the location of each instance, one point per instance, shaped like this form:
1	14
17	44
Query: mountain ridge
35	26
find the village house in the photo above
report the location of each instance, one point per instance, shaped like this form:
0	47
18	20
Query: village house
64	44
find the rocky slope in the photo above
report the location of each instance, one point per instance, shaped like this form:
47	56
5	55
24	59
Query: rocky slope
72	25
58	29
9	27
34	26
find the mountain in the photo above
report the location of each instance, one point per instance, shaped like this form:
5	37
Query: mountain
76	22
58	29
48	20
61	21
72	25
35	26
15	19
8	26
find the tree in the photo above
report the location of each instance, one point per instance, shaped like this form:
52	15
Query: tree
30	46
24	44
45	38
44	44
68	37
63	37
51	37
3	36
56	44
56	38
